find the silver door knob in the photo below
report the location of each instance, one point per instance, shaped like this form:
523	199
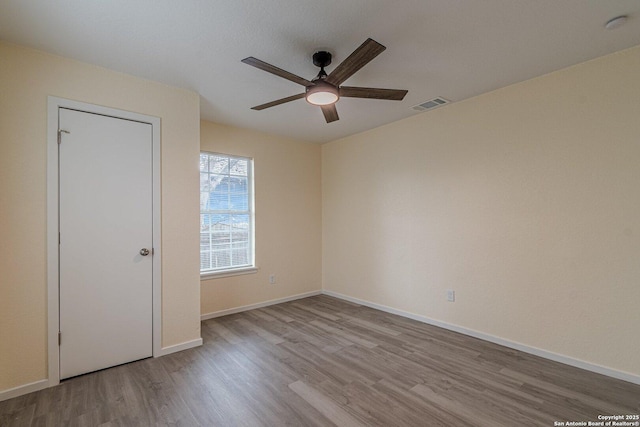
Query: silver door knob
144	251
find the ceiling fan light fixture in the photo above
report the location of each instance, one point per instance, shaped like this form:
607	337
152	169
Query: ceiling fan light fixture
322	94
325	89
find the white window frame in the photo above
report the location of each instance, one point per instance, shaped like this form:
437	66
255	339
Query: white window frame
245	269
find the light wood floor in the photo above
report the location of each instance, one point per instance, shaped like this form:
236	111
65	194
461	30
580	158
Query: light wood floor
321	361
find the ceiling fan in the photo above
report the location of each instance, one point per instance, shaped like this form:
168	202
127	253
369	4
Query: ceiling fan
324	89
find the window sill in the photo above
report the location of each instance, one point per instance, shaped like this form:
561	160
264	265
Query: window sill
227	273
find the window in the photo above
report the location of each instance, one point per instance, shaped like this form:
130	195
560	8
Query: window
226	213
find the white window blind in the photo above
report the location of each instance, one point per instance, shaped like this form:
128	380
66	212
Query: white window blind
226	212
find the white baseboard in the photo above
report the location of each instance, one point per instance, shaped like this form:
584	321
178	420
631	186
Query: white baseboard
179	347
23	389
240	309
614	373
42	384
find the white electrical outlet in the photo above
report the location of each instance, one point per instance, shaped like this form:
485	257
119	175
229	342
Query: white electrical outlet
272	279
451	295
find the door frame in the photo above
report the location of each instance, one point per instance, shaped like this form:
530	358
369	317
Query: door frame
53	258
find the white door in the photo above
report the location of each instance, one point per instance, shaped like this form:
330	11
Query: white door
105	178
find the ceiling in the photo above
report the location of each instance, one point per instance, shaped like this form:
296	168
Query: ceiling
454	49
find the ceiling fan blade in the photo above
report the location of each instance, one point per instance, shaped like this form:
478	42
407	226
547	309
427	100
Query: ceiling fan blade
276	71
358	59
372	92
330	113
278	102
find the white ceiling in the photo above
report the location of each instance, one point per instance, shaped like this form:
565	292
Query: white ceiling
450	48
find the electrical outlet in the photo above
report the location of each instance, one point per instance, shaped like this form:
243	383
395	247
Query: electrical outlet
451	295
272	279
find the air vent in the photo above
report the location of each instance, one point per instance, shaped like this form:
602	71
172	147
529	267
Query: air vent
431	104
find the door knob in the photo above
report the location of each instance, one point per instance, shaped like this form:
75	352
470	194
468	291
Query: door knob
144	251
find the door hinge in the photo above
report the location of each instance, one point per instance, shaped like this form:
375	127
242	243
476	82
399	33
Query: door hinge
59	238
153	251
60	132
59	338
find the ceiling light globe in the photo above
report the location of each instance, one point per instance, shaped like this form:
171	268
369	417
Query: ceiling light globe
322	94
322	98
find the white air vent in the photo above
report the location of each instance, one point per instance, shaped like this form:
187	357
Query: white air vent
431	104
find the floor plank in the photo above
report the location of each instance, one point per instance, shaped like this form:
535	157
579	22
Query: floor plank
321	361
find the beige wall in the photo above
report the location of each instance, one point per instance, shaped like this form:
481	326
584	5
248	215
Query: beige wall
288	221
525	201
27	77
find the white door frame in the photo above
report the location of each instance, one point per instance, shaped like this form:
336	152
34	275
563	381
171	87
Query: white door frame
53	285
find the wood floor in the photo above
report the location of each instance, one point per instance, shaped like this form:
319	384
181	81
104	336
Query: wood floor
321	361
